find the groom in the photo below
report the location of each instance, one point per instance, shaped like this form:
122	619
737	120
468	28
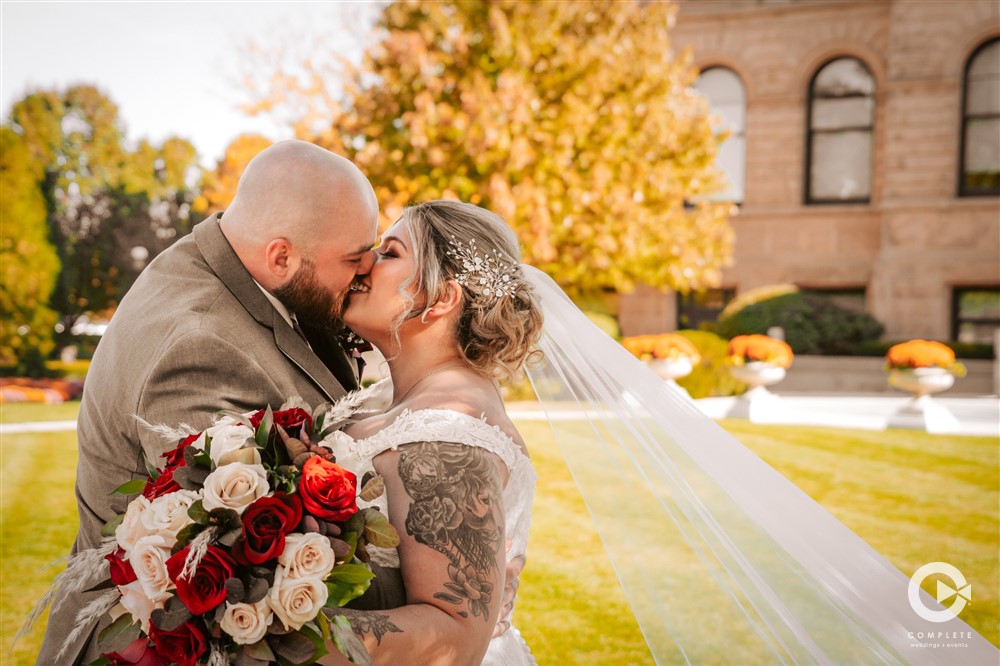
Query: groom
237	315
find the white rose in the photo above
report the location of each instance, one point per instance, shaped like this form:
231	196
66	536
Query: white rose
138	605
345	451
247	623
234	486
307	555
296	600
149	560
227	438
167	514
131	528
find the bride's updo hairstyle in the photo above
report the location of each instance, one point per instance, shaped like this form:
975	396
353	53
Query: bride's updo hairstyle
500	322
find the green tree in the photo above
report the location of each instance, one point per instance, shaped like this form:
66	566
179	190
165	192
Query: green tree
572	120
29	266
109	209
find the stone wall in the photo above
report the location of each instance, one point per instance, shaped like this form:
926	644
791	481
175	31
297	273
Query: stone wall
916	239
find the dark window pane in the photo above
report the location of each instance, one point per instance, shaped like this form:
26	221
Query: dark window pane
697	308
977	314
841	166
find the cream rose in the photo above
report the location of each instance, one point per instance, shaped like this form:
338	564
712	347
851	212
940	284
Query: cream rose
149	560
296	600
167	514
225	438
234	486
139	606
247	623
307	555
131	528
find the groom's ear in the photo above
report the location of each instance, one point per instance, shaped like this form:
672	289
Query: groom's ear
280	259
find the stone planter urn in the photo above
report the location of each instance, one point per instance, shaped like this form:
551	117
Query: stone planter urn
921	412
757	375
671	369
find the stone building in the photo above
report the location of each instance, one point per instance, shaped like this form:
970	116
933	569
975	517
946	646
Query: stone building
865	158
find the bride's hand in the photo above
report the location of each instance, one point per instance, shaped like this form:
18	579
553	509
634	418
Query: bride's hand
512	580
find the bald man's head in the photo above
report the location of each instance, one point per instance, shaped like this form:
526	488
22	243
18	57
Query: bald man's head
301	207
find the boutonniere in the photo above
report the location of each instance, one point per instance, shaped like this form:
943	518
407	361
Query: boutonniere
353	343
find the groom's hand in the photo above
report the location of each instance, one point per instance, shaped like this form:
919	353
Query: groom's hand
512	579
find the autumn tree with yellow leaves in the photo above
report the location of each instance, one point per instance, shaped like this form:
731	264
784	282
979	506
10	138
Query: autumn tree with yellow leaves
573	120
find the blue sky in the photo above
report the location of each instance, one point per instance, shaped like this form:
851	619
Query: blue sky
173	68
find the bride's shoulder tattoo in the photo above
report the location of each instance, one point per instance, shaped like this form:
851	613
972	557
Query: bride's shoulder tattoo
457	510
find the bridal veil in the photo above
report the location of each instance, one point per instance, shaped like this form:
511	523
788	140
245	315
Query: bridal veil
722	559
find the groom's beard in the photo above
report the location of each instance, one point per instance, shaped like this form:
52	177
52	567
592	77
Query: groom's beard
313	305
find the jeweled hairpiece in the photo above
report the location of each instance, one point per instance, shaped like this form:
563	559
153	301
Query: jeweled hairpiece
486	274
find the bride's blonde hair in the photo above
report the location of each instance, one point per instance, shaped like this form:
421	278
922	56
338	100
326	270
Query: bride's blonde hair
496	334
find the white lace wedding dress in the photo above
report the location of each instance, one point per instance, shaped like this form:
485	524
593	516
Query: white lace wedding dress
439	425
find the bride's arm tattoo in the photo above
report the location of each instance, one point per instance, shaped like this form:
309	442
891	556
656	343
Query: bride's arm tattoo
368	622
457	510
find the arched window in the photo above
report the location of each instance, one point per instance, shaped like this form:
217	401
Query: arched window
980	159
725	93
841	120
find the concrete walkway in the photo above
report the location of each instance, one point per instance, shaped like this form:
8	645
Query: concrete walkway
973	416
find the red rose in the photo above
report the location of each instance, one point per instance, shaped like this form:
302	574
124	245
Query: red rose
206	589
122	572
163	485
265	524
328	490
175	457
183	646
138	653
292	420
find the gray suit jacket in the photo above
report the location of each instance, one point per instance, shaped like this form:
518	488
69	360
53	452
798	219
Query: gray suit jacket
194	335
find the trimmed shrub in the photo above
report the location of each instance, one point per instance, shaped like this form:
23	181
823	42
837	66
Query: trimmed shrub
812	324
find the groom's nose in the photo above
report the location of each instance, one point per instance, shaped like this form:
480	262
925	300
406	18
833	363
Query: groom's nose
366	263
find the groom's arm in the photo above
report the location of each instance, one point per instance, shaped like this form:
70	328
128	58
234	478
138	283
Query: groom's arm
198	375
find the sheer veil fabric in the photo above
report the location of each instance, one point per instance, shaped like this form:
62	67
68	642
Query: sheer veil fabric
722	559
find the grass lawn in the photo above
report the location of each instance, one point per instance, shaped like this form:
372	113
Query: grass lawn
916	498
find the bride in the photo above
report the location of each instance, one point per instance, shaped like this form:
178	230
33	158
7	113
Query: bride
722	559
447	304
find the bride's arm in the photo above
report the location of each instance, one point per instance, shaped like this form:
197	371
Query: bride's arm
445	500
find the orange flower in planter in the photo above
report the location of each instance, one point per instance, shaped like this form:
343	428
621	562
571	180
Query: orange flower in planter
749	348
663	346
923	354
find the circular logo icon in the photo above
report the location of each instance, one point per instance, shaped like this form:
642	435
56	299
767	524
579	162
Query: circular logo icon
959	589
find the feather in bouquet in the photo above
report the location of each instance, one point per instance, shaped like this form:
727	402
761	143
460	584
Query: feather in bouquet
232	550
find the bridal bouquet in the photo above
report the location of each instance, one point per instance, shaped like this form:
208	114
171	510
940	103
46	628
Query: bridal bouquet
233	549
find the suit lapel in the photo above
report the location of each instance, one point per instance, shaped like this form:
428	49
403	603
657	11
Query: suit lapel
221	257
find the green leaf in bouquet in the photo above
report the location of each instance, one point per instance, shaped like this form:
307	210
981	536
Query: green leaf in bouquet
229	538
347	582
109	527
263	433
378	530
347	642
103	661
185	535
243	659
201	458
294	648
190	477
315	635
372	487
173	614
198	514
154	473
260	650
235	591
119	633
226	519
256	589
133	487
